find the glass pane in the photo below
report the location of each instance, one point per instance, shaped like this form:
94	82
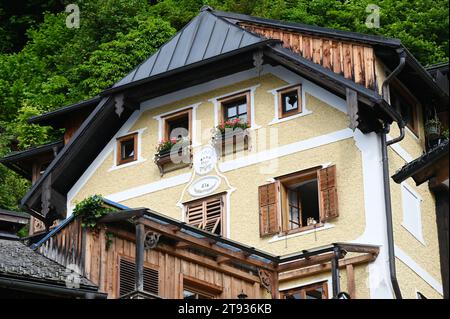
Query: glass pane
293	200
231	112
189	295
314	293
127	149
243	118
290	101
179	128
294	296
243	108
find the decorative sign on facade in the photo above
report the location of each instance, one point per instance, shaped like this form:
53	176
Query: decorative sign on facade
205	160
204	186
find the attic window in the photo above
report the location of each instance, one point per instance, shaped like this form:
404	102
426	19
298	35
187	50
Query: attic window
127	149
289	101
313	291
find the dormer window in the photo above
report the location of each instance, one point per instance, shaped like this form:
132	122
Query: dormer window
127	149
289	101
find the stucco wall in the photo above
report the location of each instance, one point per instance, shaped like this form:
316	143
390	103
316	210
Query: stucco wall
243	205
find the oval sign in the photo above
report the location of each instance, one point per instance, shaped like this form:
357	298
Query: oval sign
204	186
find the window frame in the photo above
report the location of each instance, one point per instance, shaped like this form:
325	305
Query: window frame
222	197
303	289
201	287
280	92
232	98
397	88
285	180
119	141
417	233
174	116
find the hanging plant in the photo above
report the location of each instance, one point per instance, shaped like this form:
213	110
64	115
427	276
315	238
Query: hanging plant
433	128
90	210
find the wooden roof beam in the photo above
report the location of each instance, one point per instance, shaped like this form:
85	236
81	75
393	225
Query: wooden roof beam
204	244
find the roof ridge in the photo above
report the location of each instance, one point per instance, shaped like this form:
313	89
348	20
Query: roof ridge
311	28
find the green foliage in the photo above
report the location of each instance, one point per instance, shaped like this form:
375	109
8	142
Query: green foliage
91	209
44	65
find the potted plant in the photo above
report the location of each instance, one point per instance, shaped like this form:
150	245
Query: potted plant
229	132
167	149
433	128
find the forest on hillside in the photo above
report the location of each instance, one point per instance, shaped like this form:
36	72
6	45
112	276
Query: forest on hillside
44	65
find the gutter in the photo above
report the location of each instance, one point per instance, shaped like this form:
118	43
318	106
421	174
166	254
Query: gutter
11	283
386	184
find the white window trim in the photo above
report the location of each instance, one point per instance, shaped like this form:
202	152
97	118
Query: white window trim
216	102
276	118
312	282
139	160
160	119
419	236
226	213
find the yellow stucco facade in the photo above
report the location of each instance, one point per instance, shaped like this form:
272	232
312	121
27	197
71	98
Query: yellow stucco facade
318	137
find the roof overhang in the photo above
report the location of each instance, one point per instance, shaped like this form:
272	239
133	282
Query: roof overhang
432	165
22	162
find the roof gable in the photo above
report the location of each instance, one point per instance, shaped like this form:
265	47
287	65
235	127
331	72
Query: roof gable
202	38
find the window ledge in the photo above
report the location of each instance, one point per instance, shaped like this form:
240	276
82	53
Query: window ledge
419	237
116	167
284	119
306	232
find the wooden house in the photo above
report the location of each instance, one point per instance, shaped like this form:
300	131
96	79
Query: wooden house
293	203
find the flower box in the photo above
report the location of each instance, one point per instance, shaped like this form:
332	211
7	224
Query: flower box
172	155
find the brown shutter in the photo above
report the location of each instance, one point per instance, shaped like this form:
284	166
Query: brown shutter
206	215
127	278
268	209
328	193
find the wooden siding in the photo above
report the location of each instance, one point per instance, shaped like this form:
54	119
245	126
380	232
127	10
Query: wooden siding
352	60
67	246
101	264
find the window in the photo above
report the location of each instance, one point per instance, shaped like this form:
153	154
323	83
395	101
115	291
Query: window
178	125
236	107
194	288
411	212
127	149
314	291
289	102
207	214
127	278
298	201
406	105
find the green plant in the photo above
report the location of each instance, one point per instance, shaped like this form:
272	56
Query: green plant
432	127
109	239
445	134
166	145
232	125
90	210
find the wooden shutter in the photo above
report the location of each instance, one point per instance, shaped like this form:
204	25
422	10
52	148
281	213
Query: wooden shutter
268	208
206	215
127	278
328	193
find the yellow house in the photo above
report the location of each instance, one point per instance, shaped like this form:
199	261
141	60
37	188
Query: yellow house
268	135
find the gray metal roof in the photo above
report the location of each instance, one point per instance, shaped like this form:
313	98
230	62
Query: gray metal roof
202	38
20	261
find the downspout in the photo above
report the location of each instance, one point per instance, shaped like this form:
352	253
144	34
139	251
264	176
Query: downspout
386	184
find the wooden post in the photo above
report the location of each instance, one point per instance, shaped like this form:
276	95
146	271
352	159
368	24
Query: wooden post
351	281
335	272
275	291
140	237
